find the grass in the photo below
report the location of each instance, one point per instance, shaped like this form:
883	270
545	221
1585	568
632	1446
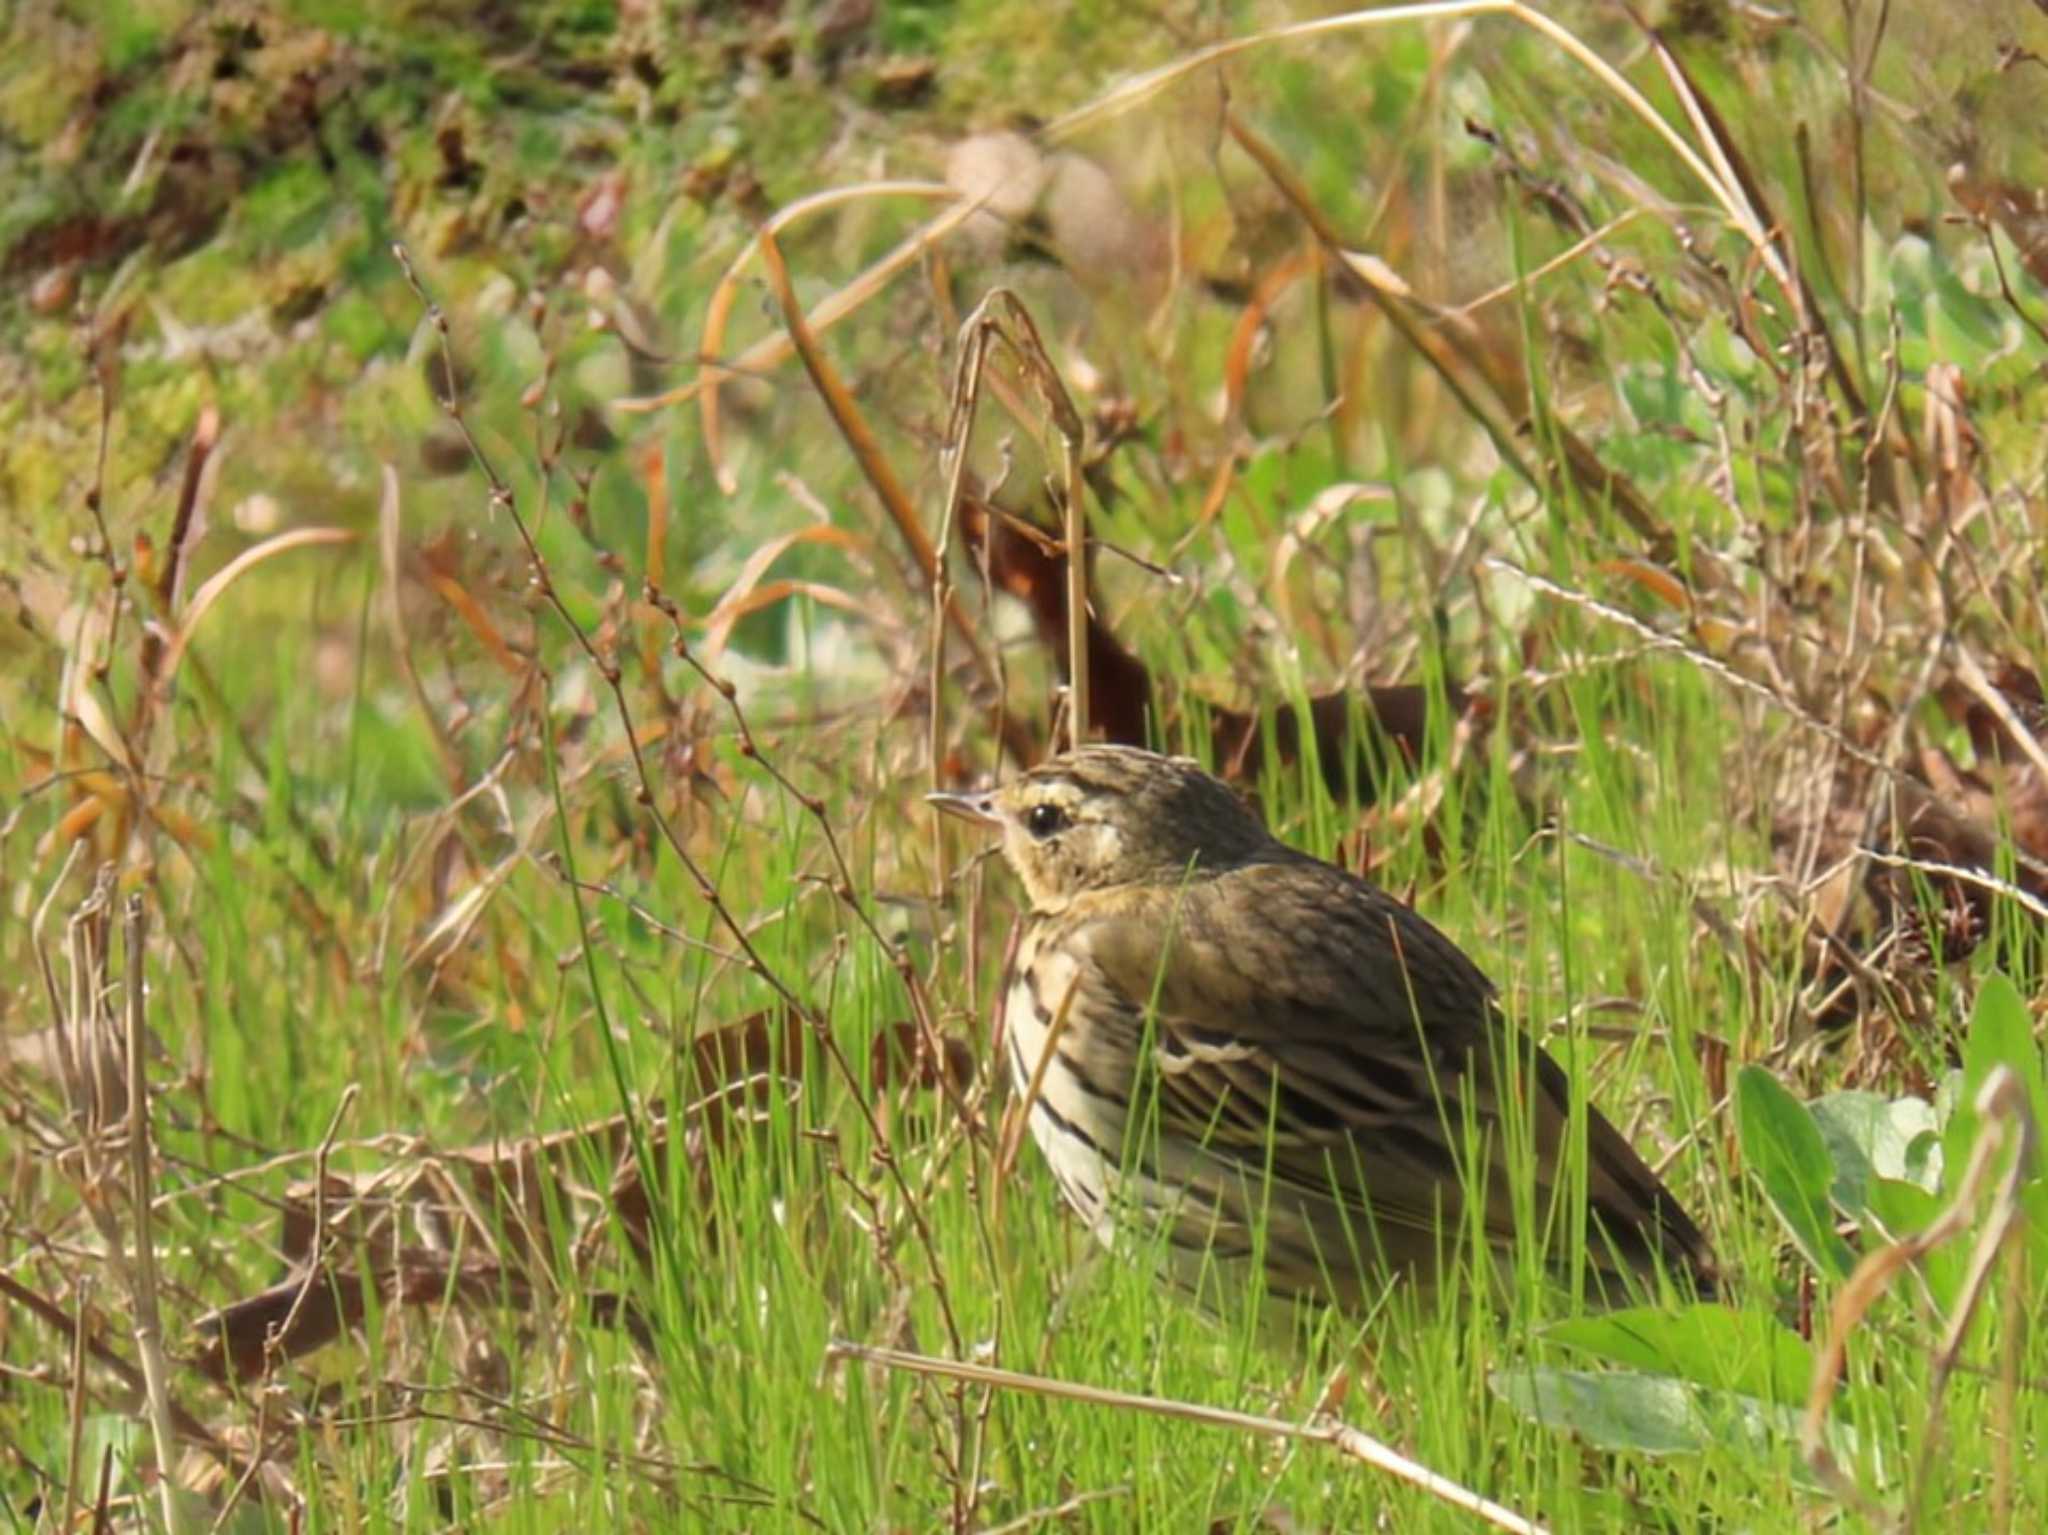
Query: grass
412	900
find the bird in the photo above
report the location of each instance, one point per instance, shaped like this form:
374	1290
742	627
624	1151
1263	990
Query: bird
1265	1062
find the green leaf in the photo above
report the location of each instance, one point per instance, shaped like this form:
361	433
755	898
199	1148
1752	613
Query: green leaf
1611	1410
2001	1034
1783	1147
1848	1124
1743	1352
1655	1415
1923	1159
1869	1137
1900	1210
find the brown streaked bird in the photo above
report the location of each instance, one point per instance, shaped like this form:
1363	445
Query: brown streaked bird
1305	1053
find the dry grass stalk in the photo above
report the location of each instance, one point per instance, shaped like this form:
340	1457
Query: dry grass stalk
1340	1436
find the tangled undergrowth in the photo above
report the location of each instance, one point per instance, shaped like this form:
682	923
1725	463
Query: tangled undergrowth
492	1032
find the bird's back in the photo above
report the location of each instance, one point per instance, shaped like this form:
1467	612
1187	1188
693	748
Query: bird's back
1319	1073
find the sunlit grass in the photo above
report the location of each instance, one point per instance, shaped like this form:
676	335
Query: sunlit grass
369	952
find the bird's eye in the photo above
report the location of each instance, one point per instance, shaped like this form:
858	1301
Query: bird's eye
1042	820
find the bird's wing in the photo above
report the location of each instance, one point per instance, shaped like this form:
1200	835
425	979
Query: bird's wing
1310	1026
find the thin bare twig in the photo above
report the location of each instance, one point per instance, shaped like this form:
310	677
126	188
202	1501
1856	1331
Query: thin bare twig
874	463
606	667
149	1331
1321	1429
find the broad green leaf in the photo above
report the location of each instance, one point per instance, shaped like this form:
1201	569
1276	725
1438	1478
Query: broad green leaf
1900	1210
1848	1124
1655	1415
1923	1159
2000	1034
1783	1147
1869	1137
1610	1410
1710	1345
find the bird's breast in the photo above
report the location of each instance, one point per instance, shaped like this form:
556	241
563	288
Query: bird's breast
1063	1059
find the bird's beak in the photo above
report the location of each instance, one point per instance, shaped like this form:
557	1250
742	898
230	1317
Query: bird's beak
978	808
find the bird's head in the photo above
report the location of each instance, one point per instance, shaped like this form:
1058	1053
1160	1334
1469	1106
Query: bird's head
1101	816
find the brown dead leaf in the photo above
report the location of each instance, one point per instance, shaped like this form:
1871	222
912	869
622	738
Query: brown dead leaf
903	1057
1026	562
763	1043
350	1236
1251	323
441	567
2021	211
1919	885
2020	688
314	1308
1654	579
